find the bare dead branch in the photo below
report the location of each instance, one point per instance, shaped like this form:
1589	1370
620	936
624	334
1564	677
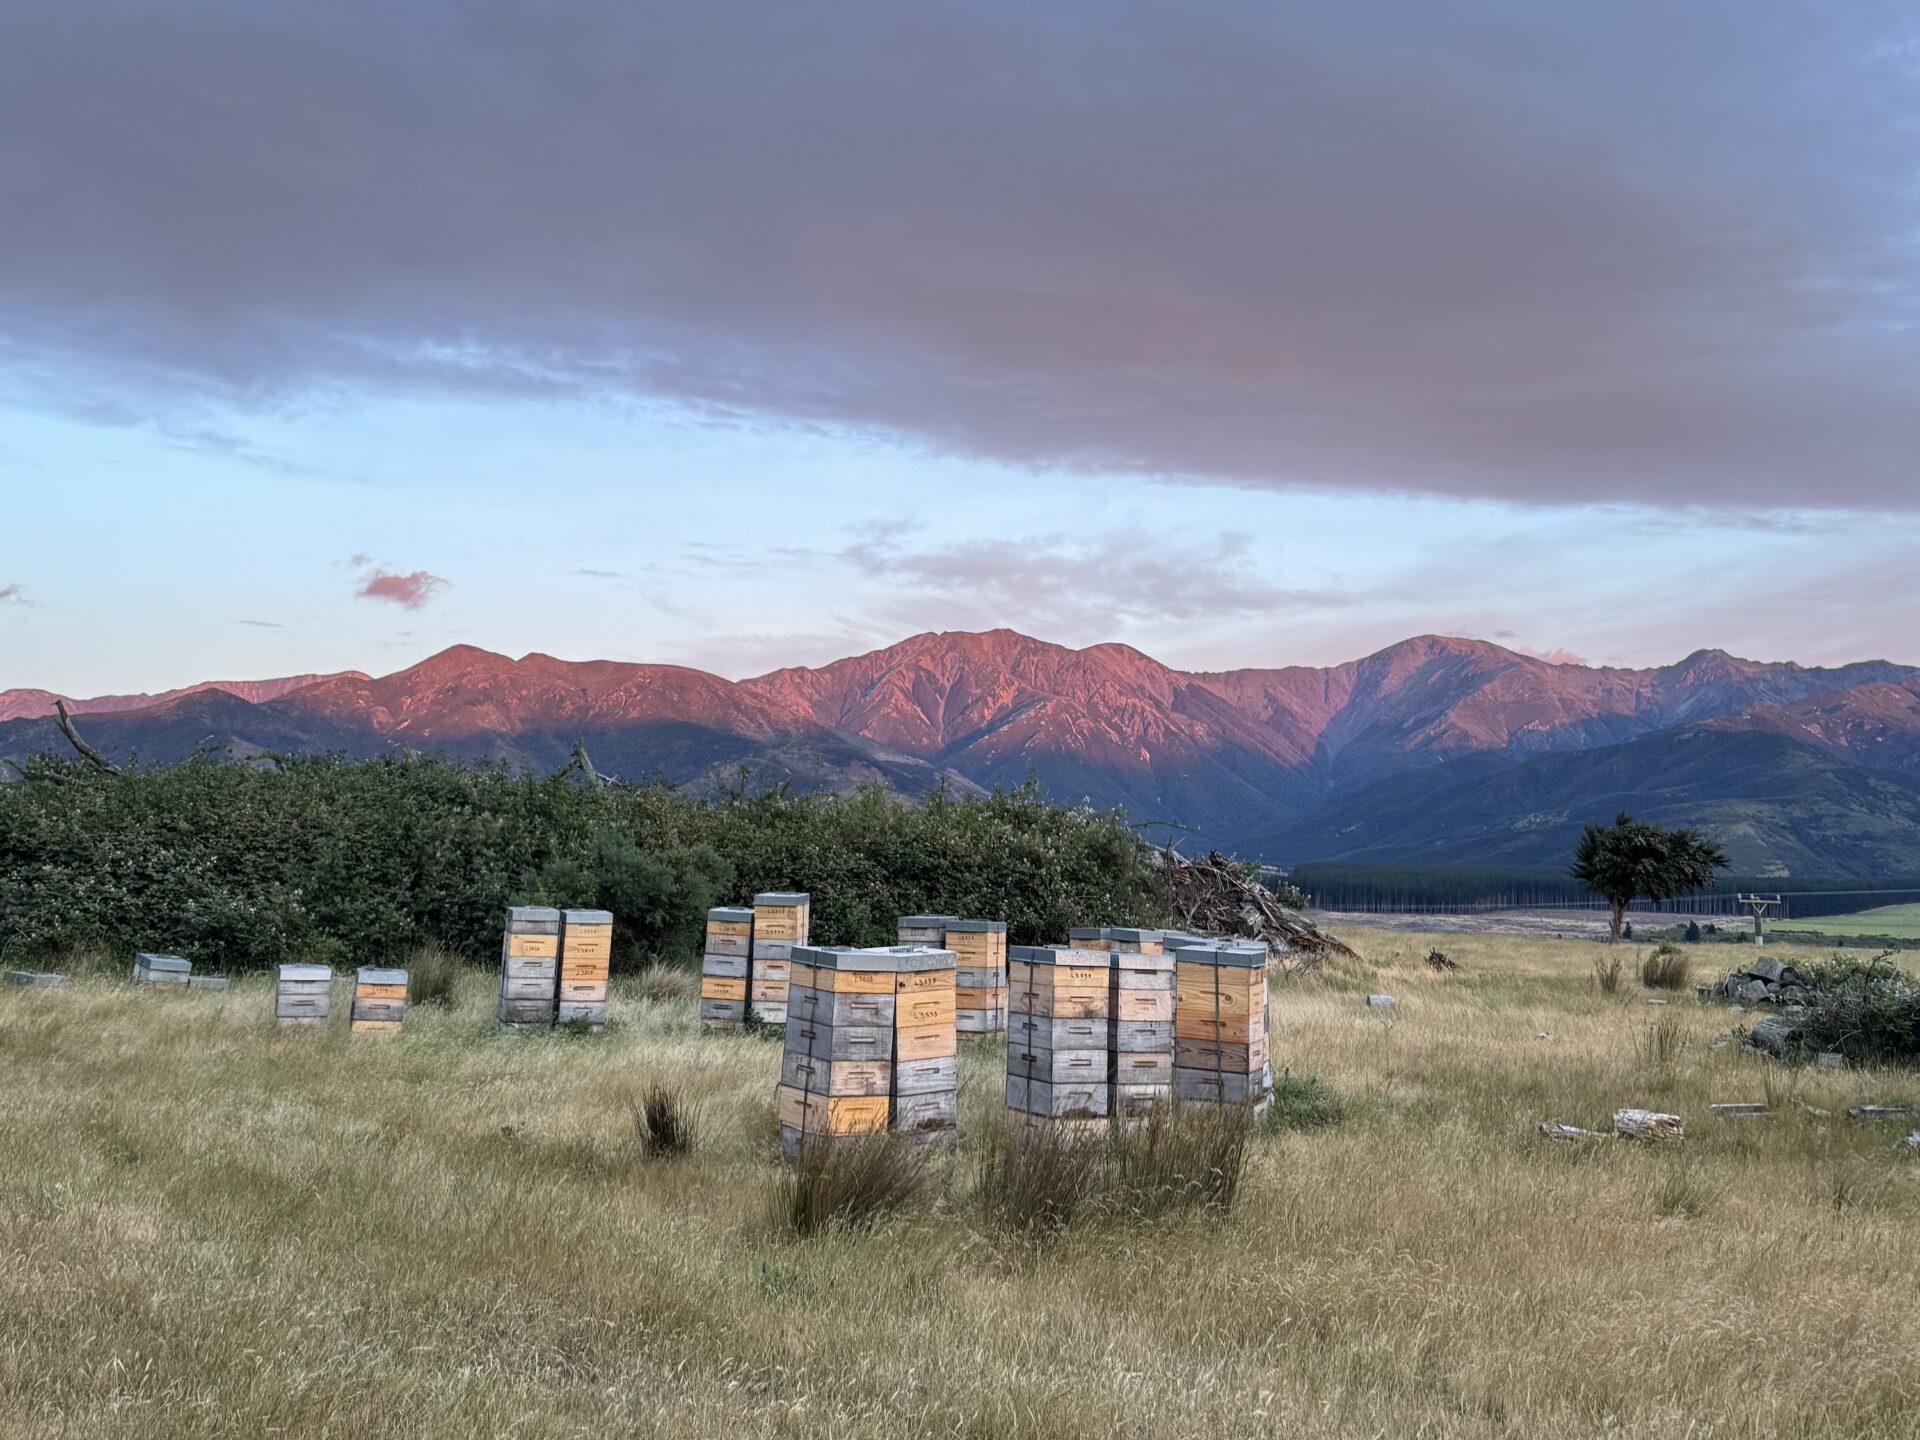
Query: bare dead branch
85	751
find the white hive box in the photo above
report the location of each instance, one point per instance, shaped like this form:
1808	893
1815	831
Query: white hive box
161	969
303	996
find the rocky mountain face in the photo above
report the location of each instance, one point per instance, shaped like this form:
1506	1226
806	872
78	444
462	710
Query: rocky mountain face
1240	758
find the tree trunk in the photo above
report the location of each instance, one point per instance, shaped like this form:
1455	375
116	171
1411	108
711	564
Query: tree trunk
1619	908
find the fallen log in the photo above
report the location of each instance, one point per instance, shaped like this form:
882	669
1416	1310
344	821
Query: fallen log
1648	1125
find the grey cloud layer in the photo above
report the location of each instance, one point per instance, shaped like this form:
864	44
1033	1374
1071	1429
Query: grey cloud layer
1631	252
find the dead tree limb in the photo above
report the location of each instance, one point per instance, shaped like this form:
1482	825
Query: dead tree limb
85	751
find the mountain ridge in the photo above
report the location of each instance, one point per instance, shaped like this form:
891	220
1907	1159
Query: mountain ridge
1231	756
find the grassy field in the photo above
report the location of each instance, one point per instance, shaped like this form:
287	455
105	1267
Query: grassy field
1900	922
211	1229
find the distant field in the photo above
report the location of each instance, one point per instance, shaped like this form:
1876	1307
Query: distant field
208	1228
1899	921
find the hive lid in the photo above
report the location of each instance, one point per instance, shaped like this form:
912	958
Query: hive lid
891	959
732	914
162	962
1088	932
975	927
782	897
1247	956
1059	955
1137	937
588	917
306	972
927	922
532	915
369	975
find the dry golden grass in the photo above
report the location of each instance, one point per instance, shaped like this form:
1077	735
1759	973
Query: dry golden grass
207	1228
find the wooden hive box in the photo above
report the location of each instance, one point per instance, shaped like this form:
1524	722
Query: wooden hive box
586	957
1140	1061
980	978
529	967
1220	1026
781	920
161	969
379	1000
836	1066
925	1048
1058	1031
724	964
303	996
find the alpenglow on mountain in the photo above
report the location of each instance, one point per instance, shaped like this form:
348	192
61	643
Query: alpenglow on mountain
1435	750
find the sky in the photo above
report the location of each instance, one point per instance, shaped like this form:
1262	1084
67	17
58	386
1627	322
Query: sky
757	334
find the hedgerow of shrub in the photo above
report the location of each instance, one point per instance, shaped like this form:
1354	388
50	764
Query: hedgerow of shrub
240	866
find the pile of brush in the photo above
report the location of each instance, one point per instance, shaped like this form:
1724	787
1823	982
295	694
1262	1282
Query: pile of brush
1217	896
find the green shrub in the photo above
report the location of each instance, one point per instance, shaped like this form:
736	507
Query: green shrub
1868	1010
1300	1102
241	867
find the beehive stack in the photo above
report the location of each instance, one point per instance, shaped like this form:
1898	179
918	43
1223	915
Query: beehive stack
836	1073
303	997
529	967
161	970
723	968
781	920
379	1000
980	954
1142	993
1220	1026
925	1050
586	952
870	1044
1058	1033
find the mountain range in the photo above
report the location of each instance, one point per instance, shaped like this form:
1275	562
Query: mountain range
1436	750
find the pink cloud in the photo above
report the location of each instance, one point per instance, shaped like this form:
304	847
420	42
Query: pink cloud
413	589
14	594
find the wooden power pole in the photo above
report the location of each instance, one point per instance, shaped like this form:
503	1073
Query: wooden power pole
1760	905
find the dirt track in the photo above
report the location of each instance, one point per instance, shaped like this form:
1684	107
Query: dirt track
1552	924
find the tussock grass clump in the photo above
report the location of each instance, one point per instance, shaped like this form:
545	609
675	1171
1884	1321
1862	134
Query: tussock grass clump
1183	1157
666	1123
433	975
1606	975
659	982
1667	968
1036	1181
849	1183
1662	1042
